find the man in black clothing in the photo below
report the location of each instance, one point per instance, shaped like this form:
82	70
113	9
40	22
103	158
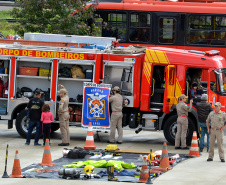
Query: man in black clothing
35	106
203	110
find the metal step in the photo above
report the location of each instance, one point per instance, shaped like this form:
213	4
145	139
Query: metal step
156	109
155	103
150	116
148	129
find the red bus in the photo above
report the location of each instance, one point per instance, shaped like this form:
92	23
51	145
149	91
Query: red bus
197	25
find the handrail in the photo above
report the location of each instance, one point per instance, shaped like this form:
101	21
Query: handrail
187	87
153	84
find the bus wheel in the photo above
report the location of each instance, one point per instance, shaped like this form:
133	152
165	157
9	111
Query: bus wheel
55	127
22	123
170	130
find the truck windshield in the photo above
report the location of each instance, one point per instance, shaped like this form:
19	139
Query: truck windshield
222	80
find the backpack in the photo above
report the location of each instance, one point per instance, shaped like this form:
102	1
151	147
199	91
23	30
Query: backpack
76	153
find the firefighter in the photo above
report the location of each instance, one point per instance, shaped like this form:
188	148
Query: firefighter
217	119
116	117
64	116
34	107
182	122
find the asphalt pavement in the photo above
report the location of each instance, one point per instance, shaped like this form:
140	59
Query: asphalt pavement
195	171
6	5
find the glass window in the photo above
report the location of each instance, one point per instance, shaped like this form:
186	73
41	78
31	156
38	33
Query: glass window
167	30
171	75
206	30
114	24
140	27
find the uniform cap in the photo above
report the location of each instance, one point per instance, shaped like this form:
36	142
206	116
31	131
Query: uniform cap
62	91
183	96
204	97
218	104
116	88
38	91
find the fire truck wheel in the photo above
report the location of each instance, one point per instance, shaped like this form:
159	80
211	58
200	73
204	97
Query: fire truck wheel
22	123
170	129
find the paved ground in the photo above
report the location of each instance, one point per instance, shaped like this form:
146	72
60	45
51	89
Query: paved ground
193	171
6	5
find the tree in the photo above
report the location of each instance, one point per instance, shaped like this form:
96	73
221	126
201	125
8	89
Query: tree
54	16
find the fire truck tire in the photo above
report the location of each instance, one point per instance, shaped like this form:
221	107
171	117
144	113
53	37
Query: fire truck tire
170	129
55	127
22	124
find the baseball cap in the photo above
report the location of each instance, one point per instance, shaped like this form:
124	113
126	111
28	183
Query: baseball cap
62	91
183	96
218	104
116	88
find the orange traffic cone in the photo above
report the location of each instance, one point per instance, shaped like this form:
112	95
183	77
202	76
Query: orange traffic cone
194	150
16	167
164	161
89	145
47	159
144	174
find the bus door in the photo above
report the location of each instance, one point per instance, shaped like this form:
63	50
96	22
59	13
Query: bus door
169	95
169	29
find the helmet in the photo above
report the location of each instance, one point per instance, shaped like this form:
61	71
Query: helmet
88	169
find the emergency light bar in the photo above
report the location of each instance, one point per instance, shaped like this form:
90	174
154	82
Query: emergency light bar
212	52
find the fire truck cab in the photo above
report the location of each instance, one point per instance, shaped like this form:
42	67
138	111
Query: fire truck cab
151	80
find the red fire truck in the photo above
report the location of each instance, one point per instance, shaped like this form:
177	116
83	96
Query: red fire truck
151	80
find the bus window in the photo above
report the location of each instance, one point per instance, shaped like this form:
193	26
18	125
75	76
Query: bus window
140	25
167	30
114	25
206	30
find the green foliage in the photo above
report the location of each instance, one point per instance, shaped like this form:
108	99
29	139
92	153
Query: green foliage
53	16
6	28
5	14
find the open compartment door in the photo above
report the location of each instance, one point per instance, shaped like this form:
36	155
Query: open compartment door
169	95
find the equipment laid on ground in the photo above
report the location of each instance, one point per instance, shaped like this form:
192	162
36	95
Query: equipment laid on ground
76	153
71	173
110	172
111	147
151	156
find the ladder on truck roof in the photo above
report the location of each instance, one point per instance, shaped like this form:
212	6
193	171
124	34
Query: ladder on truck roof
101	41
48	48
43	43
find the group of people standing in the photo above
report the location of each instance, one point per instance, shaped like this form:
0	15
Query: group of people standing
206	115
41	118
